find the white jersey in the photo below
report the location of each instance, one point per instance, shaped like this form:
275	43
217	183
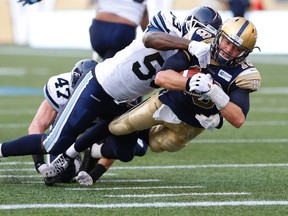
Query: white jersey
129	9
131	72
58	90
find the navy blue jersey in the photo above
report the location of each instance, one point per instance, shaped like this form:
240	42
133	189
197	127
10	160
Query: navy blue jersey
186	106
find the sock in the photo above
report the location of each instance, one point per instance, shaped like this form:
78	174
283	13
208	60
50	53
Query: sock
71	152
95	134
96	151
26	145
97	172
38	161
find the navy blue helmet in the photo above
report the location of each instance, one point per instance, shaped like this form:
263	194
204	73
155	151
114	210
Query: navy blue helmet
81	67
202	17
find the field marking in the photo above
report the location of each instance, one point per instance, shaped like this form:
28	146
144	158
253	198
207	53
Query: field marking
134	188
176	195
201	166
147	205
283	140
20	176
266	123
2	163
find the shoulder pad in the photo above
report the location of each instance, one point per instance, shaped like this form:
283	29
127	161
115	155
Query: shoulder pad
59	84
167	22
249	79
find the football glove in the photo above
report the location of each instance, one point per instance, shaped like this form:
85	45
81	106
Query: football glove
202	51
200	83
84	178
208	122
30	2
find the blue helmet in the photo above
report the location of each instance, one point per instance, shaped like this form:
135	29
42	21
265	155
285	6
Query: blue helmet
81	67
202	17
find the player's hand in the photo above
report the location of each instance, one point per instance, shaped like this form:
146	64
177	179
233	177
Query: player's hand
202	51
208	122
84	178
200	83
28	1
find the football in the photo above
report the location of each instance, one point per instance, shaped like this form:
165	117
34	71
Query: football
191	71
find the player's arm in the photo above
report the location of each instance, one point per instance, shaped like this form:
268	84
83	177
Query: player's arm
163	41
233	114
44	117
236	110
145	20
164	32
169	77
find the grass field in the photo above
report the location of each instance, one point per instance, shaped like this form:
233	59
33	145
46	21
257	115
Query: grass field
223	172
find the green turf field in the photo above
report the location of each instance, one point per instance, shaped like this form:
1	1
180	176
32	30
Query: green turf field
224	172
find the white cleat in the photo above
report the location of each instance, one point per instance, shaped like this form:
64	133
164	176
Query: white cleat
47	170
84	178
58	165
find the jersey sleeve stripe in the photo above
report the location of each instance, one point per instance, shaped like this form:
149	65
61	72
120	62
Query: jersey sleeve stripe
50	99
159	22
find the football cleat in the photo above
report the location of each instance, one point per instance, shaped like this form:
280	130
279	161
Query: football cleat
59	165
66	177
84	178
46	170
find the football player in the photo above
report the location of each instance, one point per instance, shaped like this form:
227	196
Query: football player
202	16
225	84
223	87
57	91
106	91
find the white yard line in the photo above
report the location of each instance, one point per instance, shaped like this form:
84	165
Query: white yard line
200	166
133	188
149	205
176	195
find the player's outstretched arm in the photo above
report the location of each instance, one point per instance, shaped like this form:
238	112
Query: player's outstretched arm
44	117
163	41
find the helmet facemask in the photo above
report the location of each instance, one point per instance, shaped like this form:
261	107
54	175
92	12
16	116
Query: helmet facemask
204	17
80	68
231	61
192	23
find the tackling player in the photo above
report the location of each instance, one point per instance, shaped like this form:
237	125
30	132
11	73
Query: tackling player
223	87
106	92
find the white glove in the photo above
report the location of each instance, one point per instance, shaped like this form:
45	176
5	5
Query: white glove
84	178
208	122
200	83
202	51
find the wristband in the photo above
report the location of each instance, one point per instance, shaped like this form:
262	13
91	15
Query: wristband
218	96
188	84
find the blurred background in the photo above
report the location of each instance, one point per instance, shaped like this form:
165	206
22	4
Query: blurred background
65	23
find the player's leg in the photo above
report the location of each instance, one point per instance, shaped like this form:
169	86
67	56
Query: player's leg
113	38
172	137
138	118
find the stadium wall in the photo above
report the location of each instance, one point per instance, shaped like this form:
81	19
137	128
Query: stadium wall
43	26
